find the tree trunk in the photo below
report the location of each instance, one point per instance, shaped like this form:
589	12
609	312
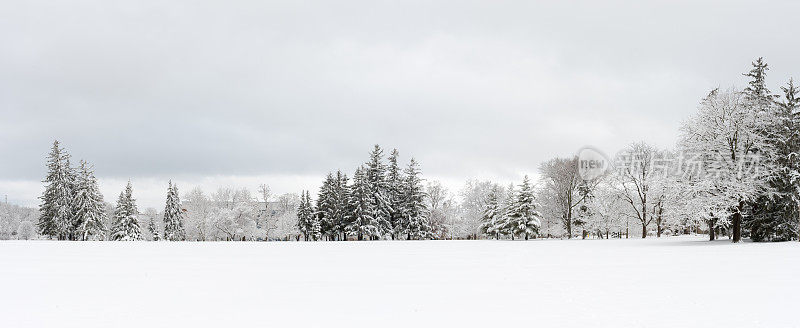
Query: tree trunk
711	235
569	223
658	222
644	230
569	228
626	229
737	223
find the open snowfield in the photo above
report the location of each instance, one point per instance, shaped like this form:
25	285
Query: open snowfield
671	282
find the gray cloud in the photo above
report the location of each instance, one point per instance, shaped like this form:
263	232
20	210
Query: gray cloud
248	88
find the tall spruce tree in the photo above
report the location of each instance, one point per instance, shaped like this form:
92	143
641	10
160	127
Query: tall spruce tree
415	221
326	206
524	217
764	208
770	211
492	213
126	226
791	111
173	216
394	188
89	207
506	222
376	182
56	210
306	220
361	207
756	89
776	212
341	215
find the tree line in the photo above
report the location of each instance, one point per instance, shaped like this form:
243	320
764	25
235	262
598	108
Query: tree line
72	207
734	171
382	201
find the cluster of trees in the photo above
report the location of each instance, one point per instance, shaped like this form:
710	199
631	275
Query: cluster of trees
511	212
382	201
748	144
72	207
17	222
238	214
735	171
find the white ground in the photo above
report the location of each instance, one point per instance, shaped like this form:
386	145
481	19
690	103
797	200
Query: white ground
672	282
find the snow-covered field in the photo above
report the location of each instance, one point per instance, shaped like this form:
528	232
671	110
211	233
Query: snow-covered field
671	282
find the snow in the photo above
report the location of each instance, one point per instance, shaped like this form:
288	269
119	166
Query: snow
669	282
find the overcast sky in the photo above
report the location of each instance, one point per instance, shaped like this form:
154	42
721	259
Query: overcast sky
212	93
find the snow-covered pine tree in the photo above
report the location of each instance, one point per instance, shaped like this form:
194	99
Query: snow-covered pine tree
757	86
776	213
56	210
361	207
89	207
153	228
341	215
173	216
326	206
524	217
303	223
415	213
791	109
316	227
771	208
492	214
306	220
376	181
126	226
506	223
394	187
584	211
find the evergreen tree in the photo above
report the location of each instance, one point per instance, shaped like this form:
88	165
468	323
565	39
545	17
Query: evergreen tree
326	206
306	220
303	214
88	206
492	214
773	208
791	112
394	186
524	218
362	207
126	225
415	213
56	210
506	222
776	213
151	226
173	216
764	208
341	216
376	182
757	86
